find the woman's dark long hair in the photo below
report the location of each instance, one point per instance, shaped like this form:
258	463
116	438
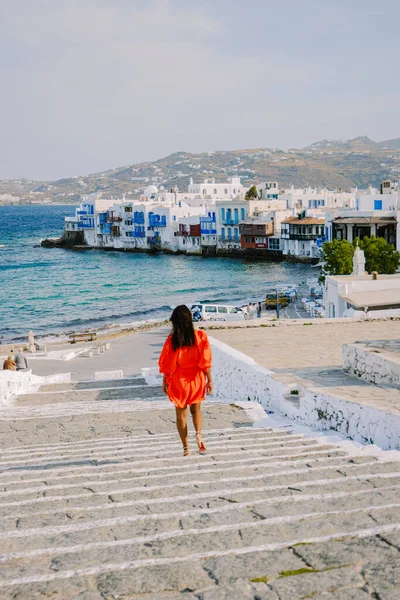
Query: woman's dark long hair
182	327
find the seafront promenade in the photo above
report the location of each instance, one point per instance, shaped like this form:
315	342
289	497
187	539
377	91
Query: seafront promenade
97	502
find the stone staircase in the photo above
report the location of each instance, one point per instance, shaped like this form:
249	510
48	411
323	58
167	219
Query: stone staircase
97	502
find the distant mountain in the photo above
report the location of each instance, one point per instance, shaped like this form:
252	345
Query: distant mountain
327	163
358	144
390	144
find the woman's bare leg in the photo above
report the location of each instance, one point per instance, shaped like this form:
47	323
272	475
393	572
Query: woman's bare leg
197	417
181	425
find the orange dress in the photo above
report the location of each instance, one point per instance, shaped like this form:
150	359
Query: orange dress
184	370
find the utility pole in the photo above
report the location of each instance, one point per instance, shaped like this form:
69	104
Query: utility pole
277	303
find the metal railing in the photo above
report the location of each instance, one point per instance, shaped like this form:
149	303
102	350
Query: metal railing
229	238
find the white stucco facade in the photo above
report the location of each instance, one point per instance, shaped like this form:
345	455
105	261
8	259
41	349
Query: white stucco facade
362	296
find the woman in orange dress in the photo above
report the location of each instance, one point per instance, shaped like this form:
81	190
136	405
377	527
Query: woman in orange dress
185	362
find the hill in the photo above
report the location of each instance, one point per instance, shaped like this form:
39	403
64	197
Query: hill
327	163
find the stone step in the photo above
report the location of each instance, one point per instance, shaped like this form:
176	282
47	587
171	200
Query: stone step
179	545
151	457
65	409
96	501
223	489
117	444
206	467
93	384
222	576
159	441
244	469
105	420
76	528
54	517
85	395
128	450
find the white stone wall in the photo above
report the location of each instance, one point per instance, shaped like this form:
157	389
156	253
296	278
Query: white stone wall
373	366
16	383
237	377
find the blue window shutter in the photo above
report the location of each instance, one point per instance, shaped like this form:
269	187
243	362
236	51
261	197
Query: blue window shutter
377	204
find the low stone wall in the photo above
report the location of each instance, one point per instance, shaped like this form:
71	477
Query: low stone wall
372	363
16	383
237	377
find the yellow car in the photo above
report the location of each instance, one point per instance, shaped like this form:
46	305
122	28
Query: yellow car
270	300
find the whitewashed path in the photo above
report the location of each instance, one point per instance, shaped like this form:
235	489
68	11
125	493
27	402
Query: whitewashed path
96	502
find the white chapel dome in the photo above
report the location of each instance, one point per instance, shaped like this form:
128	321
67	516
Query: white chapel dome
150	190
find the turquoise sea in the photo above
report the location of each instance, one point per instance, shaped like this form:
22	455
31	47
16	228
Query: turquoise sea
56	291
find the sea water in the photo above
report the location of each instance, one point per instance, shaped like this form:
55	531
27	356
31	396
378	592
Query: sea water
54	291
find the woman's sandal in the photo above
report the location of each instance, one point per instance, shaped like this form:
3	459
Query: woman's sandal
201	445
186	451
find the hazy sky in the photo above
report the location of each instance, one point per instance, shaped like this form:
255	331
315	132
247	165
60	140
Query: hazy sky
87	85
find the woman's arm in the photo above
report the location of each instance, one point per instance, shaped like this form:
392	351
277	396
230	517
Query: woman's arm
209	385
165	386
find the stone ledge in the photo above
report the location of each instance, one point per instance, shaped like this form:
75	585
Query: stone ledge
376	362
238	377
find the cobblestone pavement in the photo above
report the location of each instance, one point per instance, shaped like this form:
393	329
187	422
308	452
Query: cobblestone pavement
96	502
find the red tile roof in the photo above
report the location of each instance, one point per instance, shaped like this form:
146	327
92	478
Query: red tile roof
304	221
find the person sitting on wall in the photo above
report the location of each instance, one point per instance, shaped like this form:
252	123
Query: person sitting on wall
9	364
20	360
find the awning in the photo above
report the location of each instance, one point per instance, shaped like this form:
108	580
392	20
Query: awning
375	298
364	220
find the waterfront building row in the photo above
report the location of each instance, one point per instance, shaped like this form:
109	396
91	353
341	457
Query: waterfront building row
216	218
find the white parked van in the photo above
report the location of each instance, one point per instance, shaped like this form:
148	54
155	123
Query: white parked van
216	312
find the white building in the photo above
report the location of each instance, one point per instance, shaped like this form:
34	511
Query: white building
229	216
362	296
376	212
188	237
303	235
313	198
217	191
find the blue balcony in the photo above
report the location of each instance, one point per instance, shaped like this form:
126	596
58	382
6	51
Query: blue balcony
229	221
85	226
157	220
229	238
138	218
88	209
139	232
208	225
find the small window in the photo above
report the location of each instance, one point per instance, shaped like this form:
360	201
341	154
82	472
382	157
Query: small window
215	191
211	309
226	191
377	204
222	309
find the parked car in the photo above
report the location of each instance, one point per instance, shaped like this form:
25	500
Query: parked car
270	300
216	312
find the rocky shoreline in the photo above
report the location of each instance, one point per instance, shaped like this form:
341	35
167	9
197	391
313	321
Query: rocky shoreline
74	240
